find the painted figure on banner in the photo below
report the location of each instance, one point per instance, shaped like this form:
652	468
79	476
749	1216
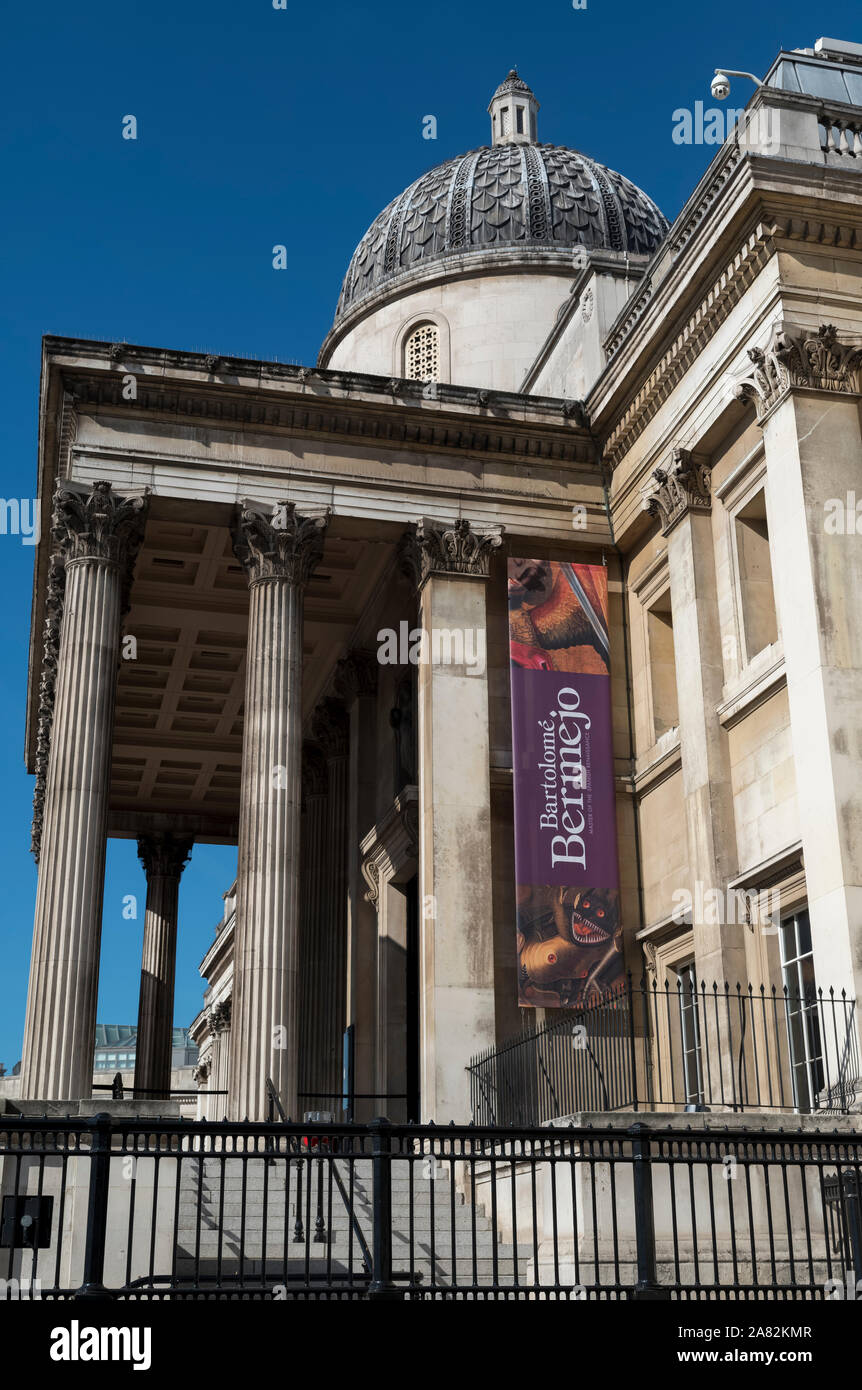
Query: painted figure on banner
569	933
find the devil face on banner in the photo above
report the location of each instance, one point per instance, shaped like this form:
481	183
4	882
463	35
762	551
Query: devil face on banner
569	936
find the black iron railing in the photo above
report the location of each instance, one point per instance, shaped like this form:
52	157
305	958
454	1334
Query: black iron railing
111	1208
676	1047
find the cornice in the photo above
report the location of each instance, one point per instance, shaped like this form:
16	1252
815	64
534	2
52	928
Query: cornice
772	185
662	761
700	326
707	192
319	402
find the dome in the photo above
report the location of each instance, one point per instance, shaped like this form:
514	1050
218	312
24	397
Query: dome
514	194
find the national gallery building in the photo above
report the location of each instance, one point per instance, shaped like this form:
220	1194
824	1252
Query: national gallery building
554	550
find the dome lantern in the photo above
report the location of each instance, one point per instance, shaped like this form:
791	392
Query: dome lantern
513	111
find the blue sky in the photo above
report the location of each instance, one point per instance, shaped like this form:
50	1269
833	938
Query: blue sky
260	126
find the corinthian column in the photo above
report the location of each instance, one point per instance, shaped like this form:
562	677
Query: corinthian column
330	728
450	565
96	535
313	879
356	684
279	553
164	859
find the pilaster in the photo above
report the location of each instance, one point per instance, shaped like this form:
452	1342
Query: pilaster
682	502
450	564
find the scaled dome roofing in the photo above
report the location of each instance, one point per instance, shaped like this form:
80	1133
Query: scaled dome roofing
502	196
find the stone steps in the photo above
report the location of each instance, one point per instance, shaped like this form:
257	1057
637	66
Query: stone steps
221	1188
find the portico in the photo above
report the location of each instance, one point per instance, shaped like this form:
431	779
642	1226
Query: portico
221	655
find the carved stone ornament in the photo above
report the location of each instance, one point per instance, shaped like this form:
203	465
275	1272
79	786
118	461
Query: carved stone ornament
575	410
796	358
650	959
201	1073
330	728
280	544
436	547
355	675
97	524
165	855
314	775
681	488
392	846
219	1017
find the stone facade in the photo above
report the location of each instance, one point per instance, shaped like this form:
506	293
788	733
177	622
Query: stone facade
692	418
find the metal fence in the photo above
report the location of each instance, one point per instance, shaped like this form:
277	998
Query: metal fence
137	1209
676	1047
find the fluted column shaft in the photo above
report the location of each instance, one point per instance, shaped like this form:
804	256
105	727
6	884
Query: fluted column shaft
313	895
330	727
279	553
97	534
163	859
356	685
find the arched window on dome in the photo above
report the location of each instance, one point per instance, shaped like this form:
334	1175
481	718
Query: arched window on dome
422	353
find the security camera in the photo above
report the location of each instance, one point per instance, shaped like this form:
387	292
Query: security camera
720	86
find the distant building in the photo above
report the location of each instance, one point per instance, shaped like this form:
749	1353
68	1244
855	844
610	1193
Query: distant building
115	1050
116	1043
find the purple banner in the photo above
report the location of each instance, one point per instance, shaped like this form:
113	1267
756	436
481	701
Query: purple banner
569	938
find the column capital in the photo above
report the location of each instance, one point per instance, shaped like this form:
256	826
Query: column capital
47	692
219	1016
798	359
98	524
682	487
355	675
447	548
331	728
281	544
164	855
314	780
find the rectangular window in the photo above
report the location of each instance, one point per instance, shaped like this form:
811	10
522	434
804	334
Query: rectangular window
759	620
505	124
665	707
519	119
689	1028
803	1022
